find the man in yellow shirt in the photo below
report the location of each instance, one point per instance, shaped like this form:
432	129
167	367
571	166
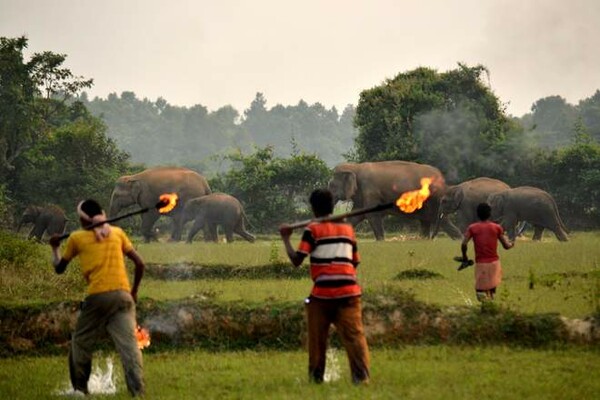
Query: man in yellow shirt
110	302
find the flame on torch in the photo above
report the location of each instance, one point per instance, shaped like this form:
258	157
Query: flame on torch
412	201
169	200
143	337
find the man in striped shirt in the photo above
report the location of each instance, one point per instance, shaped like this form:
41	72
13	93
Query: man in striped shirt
335	296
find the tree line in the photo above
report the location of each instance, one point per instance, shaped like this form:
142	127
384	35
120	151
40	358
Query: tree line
57	146
158	133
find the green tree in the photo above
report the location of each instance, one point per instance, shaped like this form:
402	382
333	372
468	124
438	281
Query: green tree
550	122
18	125
76	161
34	98
272	189
589	109
451	120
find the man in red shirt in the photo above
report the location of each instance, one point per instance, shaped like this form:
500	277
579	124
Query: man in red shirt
485	235
335	296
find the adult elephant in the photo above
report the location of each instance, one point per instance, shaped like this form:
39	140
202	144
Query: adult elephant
213	210
49	219
528	204
143	189
463	199
371	183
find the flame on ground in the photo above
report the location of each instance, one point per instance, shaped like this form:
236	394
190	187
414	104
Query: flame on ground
412	201
168	201
143	337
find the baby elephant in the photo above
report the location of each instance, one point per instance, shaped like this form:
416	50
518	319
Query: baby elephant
48	219
216	209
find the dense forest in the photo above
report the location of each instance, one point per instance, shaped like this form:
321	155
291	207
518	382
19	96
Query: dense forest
157	133
58	146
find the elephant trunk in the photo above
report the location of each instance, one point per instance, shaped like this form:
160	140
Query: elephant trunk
438	222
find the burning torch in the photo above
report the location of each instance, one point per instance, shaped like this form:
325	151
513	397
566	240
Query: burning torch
166	203
408	202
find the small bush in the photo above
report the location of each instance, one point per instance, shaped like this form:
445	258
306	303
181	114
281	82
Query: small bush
418	274
25	267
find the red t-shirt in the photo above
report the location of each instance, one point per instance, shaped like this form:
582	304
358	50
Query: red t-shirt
485	235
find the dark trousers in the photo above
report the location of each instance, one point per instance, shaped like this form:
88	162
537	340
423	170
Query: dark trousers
346	315
112	312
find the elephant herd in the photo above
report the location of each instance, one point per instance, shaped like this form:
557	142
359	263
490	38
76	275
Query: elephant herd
195	202
371	183
364	184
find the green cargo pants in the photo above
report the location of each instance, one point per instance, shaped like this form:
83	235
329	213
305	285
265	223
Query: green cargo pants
112	313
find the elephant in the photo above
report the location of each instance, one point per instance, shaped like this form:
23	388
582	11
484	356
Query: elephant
216	209
463	199
50	219
371	183
143	189
529	204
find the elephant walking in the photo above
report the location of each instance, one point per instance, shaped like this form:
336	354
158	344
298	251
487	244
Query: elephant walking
463	199
213	210
372	183
143	189
528	204
48	219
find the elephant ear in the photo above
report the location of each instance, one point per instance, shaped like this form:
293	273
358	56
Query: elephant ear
139	189
496	201
350	185
457	197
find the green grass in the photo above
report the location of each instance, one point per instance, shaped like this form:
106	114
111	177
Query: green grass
564	276
436	372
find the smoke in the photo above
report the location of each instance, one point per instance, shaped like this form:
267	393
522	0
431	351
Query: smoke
461	143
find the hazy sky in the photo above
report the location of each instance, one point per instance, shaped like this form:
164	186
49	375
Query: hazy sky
222	52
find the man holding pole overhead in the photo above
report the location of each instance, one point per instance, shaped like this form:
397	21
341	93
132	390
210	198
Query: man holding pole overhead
335	296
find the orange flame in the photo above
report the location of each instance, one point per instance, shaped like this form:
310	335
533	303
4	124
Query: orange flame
412	201
169	200
143	337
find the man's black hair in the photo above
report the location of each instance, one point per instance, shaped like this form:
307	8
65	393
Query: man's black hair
91	208
321	201
484	211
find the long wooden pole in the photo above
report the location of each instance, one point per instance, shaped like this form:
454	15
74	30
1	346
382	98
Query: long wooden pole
354	213
158	205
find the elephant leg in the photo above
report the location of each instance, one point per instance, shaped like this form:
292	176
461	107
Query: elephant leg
210	233
37	232
148	220
228	233
538	232
376	222
425	230
177	227
194	230
510	226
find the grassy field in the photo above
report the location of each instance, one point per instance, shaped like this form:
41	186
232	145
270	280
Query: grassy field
438	372
539	277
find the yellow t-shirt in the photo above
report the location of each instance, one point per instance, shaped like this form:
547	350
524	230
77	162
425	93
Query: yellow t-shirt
102	263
